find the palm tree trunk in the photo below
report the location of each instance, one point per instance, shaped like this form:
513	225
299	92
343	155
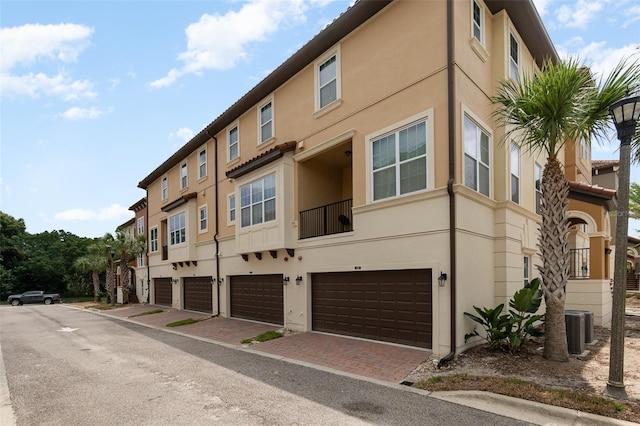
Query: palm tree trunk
96	286
553	244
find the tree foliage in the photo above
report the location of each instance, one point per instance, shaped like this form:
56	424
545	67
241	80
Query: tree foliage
561	105
43	261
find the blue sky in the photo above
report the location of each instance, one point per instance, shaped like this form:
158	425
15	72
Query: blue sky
96	94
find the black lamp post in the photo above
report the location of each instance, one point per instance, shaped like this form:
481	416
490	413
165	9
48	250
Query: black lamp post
626	114
113	276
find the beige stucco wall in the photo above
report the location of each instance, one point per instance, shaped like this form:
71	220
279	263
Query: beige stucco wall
392	71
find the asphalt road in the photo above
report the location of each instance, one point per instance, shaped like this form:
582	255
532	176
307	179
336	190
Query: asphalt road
66	366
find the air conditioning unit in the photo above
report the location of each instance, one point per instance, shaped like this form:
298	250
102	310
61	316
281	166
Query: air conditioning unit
575	321
589	336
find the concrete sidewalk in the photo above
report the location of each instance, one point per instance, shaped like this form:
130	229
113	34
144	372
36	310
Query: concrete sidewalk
378	362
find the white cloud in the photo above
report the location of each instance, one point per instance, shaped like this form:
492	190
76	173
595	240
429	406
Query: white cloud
541	6
113	212
632	14
27	45
219	42
34	85
76	113
580	15
602	59
184	133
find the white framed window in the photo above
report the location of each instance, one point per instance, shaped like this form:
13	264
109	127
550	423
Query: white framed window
202	219
477	18
141	262
177	229
399	161
140	226
477	153
585	151
527	269
231	208
514	58
327	82
153	239
202	163
515	173
165	188
538	187
233	143
258	201
183	176
265	120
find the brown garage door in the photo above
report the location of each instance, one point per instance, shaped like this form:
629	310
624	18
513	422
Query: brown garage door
258	298
392	306
197	294
163	292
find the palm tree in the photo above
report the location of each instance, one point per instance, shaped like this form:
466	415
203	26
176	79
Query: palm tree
127	248
562	104
95	263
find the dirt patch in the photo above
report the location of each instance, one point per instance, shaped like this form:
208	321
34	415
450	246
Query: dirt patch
586	373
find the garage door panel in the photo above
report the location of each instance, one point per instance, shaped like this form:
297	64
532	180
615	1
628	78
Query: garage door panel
258	298
392	306
198	294
163	291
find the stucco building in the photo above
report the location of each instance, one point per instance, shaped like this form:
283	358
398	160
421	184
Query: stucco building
363	188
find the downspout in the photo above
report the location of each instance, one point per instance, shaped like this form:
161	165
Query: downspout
146	219
216	208
452	200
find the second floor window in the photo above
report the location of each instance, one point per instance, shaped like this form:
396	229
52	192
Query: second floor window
584	150
538	187
527	269
140	260
232	137
514	58
515	173
177	229
153	240
232	208
400	162
266	122
140	226
202	214
165	188
327	82
258	201
183	176
202	164
476	158
477	22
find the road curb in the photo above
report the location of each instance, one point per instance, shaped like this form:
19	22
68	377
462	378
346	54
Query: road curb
530	411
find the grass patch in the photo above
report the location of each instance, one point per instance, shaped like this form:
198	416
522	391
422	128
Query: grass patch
268	335
181	322
523	389
101	307
155	311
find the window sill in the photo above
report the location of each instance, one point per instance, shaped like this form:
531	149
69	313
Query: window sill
477	47
267	143
328	108
233	162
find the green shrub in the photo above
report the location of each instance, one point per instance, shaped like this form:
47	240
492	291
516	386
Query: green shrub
511	330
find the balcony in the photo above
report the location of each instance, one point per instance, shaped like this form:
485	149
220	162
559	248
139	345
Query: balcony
579	263
334	218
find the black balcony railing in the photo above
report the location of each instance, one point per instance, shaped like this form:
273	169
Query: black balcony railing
165	252
326	220
579	263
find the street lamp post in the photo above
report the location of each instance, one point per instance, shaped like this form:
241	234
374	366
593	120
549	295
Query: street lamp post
113	277
625	114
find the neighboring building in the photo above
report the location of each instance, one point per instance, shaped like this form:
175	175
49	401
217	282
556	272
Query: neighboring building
362	188
140	280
